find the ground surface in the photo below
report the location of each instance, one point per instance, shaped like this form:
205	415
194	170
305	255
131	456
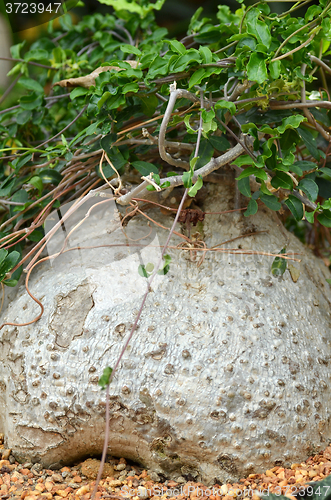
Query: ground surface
127	481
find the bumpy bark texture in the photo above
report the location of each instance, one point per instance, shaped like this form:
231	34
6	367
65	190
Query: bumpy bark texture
228	372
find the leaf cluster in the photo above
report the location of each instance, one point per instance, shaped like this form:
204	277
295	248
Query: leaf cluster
257	69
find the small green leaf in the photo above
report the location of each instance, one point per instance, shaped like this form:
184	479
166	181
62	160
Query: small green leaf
206	54
271	201
36	55
77	92
130	49
149	267
3	255
219	142
177	46
310	216
274	68
279	265
309	187
104	380
325	218
130	87
256	68
31	101
31	84
37	183
49	175
142	271
187	179
309	142
9	262
197	77
244	187
11	283
328	280
282	180
144	167
295	206
196	186
252	208
259	173
230	106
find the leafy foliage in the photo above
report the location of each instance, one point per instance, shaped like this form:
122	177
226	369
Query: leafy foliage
52	139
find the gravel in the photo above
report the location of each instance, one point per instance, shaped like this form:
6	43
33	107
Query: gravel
32	482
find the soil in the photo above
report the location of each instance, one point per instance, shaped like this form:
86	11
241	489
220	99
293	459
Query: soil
122	480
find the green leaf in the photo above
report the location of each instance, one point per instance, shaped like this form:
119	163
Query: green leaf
197	77
142	271
149	267
309	142
259	173
219	142
206	152
325	171
226	105
310	216
31	101
23	117
258	28
11	283
77	92
282	180
274	69
271	201
130	87
149	104
104	380
244	187
206	54
305	165
3	255
256	68
130	49
295	206
144	167
290	122
196	186
166	265
36	55
325	218
104	98
309	187
49	175
279	265
9	262
134	7
177	46
37	183
252	208
187	179
30	84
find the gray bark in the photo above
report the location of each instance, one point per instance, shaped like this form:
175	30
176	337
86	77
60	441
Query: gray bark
227	373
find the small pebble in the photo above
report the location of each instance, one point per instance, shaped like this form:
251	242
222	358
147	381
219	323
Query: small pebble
120	467
5	454
37	467
27	465
57	478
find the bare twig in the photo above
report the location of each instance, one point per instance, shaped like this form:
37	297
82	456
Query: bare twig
174	95
307	113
